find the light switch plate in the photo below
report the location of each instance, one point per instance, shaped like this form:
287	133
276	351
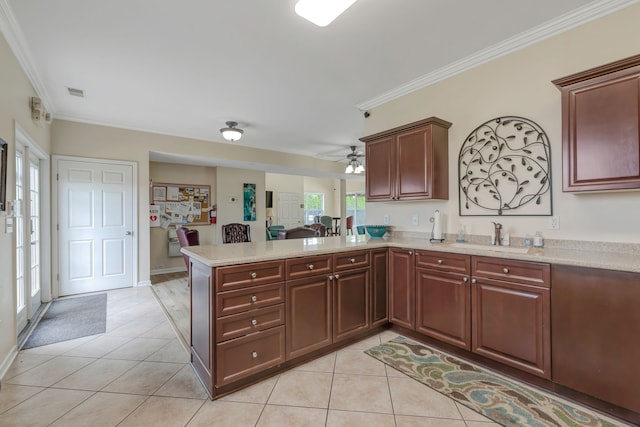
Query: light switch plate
554	222
415	220
386	219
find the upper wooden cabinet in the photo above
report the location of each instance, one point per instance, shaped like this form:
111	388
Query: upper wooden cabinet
409	162
600	127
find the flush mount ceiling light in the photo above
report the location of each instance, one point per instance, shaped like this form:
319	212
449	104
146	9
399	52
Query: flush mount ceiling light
354	164
322	12
231	133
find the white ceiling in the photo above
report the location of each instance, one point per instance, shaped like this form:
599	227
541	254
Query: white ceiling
185	67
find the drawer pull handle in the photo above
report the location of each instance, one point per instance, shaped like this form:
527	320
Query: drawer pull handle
254	322
505	270
310	266
337	276
254	298
474	281
465	279
253	274
254	354
330	277
352	260
410	253
440	262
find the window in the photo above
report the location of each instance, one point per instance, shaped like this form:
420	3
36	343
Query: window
355	203
313	206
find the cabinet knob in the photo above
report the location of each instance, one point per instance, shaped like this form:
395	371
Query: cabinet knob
254	354
410	252
337	276
254	298
254	322
352	260
330	277
440	262
465	279
310	266
253	274
474	281
505	270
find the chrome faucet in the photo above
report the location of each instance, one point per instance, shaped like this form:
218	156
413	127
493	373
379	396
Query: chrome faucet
498	227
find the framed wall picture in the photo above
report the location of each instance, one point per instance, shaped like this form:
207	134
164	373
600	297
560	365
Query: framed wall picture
4	147
249	191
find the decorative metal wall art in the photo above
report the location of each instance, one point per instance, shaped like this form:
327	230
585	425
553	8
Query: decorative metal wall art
504	168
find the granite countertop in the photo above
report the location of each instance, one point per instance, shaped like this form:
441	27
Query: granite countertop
241	253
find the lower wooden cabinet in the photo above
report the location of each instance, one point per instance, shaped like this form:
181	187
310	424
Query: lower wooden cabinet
511	324
596	322
308	315
379	287
443	307
241	357
350	303
402	288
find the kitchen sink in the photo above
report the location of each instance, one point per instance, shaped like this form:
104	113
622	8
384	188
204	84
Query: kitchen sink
492	248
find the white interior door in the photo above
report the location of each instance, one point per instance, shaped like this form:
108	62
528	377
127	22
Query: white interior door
33	233
96	226
290	209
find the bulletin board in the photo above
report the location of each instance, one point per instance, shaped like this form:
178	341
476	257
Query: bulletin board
184	204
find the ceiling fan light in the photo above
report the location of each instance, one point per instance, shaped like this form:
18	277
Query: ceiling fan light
359	168
349	169
322	12
231	133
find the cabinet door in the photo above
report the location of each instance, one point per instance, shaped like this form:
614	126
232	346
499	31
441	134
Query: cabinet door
595	333
308	321
510	324
414	159
601	128
350	303
402	288
443	307
380	176
379	286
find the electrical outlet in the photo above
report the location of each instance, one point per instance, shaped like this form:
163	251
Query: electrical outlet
386	219
554	222
414	219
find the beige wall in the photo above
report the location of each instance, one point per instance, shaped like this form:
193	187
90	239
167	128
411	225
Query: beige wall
282	183
179	174
15	91
230	184
520	84
87	140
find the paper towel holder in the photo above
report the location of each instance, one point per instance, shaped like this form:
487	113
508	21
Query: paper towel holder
432	220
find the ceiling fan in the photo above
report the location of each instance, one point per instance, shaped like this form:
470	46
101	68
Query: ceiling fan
355	164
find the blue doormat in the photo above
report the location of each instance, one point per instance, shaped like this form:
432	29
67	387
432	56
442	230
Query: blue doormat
70	318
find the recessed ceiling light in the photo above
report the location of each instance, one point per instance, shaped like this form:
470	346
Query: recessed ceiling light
322	12
76	92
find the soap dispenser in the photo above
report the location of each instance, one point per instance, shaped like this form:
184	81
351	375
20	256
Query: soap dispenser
537	240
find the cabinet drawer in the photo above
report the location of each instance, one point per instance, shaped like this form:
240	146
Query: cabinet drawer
348	260
442	261
239	325
523	272
249	355
254	274
298	268
247	299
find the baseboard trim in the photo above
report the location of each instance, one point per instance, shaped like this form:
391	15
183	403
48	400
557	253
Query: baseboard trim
143	283
168	270
6	363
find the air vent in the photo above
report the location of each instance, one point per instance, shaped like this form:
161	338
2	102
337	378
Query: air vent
76	92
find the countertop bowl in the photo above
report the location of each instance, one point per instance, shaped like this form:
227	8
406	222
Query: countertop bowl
376	231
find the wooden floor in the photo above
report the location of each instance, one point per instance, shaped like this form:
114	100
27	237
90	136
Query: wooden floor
173	294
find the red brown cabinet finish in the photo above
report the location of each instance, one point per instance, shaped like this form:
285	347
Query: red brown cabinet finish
402	288
601	127
408	162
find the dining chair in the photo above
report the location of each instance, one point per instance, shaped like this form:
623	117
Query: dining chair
349	228
187	237
236	233
319	227
327	221
297	233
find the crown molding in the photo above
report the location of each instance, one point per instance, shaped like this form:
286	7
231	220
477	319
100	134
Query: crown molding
590	12
15	39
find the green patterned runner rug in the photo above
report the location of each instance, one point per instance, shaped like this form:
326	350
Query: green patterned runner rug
505	401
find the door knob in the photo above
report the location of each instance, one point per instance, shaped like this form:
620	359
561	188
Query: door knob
129	233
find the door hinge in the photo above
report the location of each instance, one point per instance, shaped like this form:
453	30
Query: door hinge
57	177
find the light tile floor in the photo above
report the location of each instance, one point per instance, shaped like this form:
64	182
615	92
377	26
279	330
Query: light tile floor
137	374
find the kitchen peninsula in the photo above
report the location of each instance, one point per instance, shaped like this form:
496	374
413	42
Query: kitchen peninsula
260	308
